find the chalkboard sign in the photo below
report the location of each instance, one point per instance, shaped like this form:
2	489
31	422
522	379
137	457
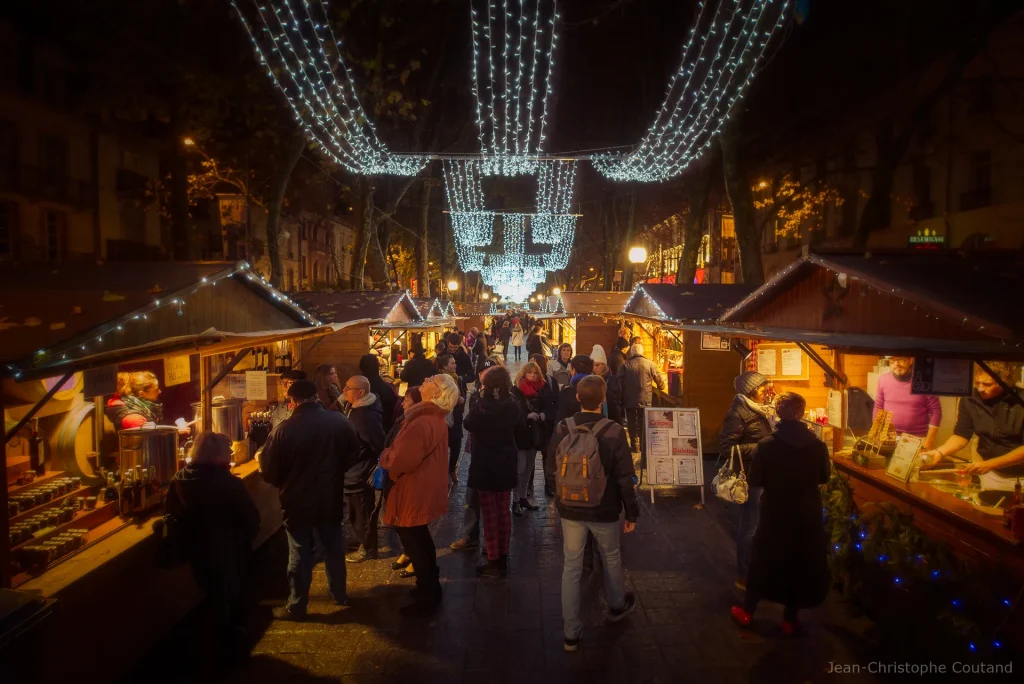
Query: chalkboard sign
942	377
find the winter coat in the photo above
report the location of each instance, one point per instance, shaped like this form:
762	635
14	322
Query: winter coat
463	365
560	372
613	398
388	397
330	398
789	561
568	404
505	334
417	370
306	458
495	459
480	351
635	378
517	336
532	434
417	463
615	360
743	427
617	460
368	424
455	430
534	345
221	523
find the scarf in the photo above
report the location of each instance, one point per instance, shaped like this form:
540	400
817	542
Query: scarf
152	411
753	405
530	389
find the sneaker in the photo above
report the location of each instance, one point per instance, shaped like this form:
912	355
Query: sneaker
286	613
464	543
620	614
741	617
529	504
517	509
571	645
360	556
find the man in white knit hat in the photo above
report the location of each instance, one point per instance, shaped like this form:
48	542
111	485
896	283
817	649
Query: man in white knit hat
613	399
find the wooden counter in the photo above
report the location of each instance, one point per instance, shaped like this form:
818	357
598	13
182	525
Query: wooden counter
940	515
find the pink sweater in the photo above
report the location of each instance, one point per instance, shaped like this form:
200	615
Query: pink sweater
911	413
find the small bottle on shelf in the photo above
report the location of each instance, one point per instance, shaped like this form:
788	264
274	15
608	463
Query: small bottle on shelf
35	450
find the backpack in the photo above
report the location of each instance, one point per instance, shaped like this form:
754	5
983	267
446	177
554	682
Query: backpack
580	479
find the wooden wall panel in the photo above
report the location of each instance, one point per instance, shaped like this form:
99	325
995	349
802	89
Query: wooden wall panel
343	349
813	389
708	385
596	331
857	367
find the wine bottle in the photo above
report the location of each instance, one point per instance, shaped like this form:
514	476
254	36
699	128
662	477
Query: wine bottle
35	450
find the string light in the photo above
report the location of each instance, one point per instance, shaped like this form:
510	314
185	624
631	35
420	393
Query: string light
294	41
723	62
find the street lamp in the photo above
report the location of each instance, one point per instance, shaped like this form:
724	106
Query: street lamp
557	291
453	285
485	296
637	255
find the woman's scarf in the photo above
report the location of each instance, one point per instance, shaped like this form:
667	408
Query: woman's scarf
152	411
530	389
754	406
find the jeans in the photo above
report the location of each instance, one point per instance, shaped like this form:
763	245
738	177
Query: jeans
519	352
418	545
471	516
361	515
300	561
574	540
749	514
527	464
635	421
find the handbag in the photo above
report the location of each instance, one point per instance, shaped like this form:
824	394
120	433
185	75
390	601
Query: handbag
728	485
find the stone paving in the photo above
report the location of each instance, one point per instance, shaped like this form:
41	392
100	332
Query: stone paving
680	562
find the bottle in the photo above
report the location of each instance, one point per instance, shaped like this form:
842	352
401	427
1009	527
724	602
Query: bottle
1015	500
256	358
35	450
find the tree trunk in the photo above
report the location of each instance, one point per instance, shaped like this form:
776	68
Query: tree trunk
628	266
737	187
364	230
693	228
284	175
422	253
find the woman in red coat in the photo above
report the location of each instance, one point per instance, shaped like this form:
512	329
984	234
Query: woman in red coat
417	463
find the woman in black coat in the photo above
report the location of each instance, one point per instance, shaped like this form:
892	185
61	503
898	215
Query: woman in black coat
536	401
789	564
446	364
493	470
744	426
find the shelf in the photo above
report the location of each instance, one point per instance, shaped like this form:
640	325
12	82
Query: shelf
41	479
242	372
81	519
52	503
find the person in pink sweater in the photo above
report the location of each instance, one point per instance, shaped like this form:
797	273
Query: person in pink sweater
916	414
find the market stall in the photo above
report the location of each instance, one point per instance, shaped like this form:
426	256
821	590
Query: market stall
699	366
938	314
94	385
436	323
473	315
592	318
386	323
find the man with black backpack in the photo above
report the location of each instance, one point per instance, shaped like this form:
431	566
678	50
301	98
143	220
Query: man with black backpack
593	484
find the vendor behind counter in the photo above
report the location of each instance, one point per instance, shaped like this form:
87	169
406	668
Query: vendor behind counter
997	418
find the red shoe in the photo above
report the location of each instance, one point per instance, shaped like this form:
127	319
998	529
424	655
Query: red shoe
790	628
740	616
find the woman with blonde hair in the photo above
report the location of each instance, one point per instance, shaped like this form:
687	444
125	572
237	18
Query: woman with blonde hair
537	402
222	522
135	403
417	464
789	557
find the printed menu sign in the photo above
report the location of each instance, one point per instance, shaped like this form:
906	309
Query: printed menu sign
792	362
256	385
767	362
942	377
177	370
902	461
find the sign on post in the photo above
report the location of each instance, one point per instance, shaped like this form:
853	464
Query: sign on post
673	448
98	382
942	377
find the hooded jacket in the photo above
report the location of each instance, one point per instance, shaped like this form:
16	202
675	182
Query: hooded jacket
221	521
388	397
495	459
743	427
417	462
306	457
635	378
789	562
368	425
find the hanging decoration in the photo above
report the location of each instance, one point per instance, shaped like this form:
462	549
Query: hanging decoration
294	42
719	62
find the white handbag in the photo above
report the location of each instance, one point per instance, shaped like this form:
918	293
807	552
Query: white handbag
728	485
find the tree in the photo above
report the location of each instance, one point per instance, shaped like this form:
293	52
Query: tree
786	204
698	199
737	187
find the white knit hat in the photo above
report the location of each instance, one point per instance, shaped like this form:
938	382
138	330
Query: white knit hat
597	355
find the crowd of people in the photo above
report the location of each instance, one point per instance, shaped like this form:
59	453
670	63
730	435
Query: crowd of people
358	450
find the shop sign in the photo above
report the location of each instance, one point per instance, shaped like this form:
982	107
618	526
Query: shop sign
942	377
99	382
927	239
713	342
177	370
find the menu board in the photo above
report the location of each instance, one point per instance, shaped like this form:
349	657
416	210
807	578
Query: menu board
902	461
782	361
256	385
236	386
673	447
766	362
713	342
177	370
834	409
942	377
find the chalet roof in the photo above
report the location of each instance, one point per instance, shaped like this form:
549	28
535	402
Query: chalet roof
45	308
383	307
429	308
599	302
973	288
678	303
472	308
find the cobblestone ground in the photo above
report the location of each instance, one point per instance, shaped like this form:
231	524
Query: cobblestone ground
680	562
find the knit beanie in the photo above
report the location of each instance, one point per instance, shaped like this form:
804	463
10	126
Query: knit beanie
598	355
745	383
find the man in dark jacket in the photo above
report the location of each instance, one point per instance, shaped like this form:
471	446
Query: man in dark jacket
463	365
618	356
481	350
601	521
581	366
369	366
364	415
505	336
418	368
635	379
305	458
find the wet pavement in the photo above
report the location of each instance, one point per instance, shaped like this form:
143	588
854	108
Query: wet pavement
679	562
